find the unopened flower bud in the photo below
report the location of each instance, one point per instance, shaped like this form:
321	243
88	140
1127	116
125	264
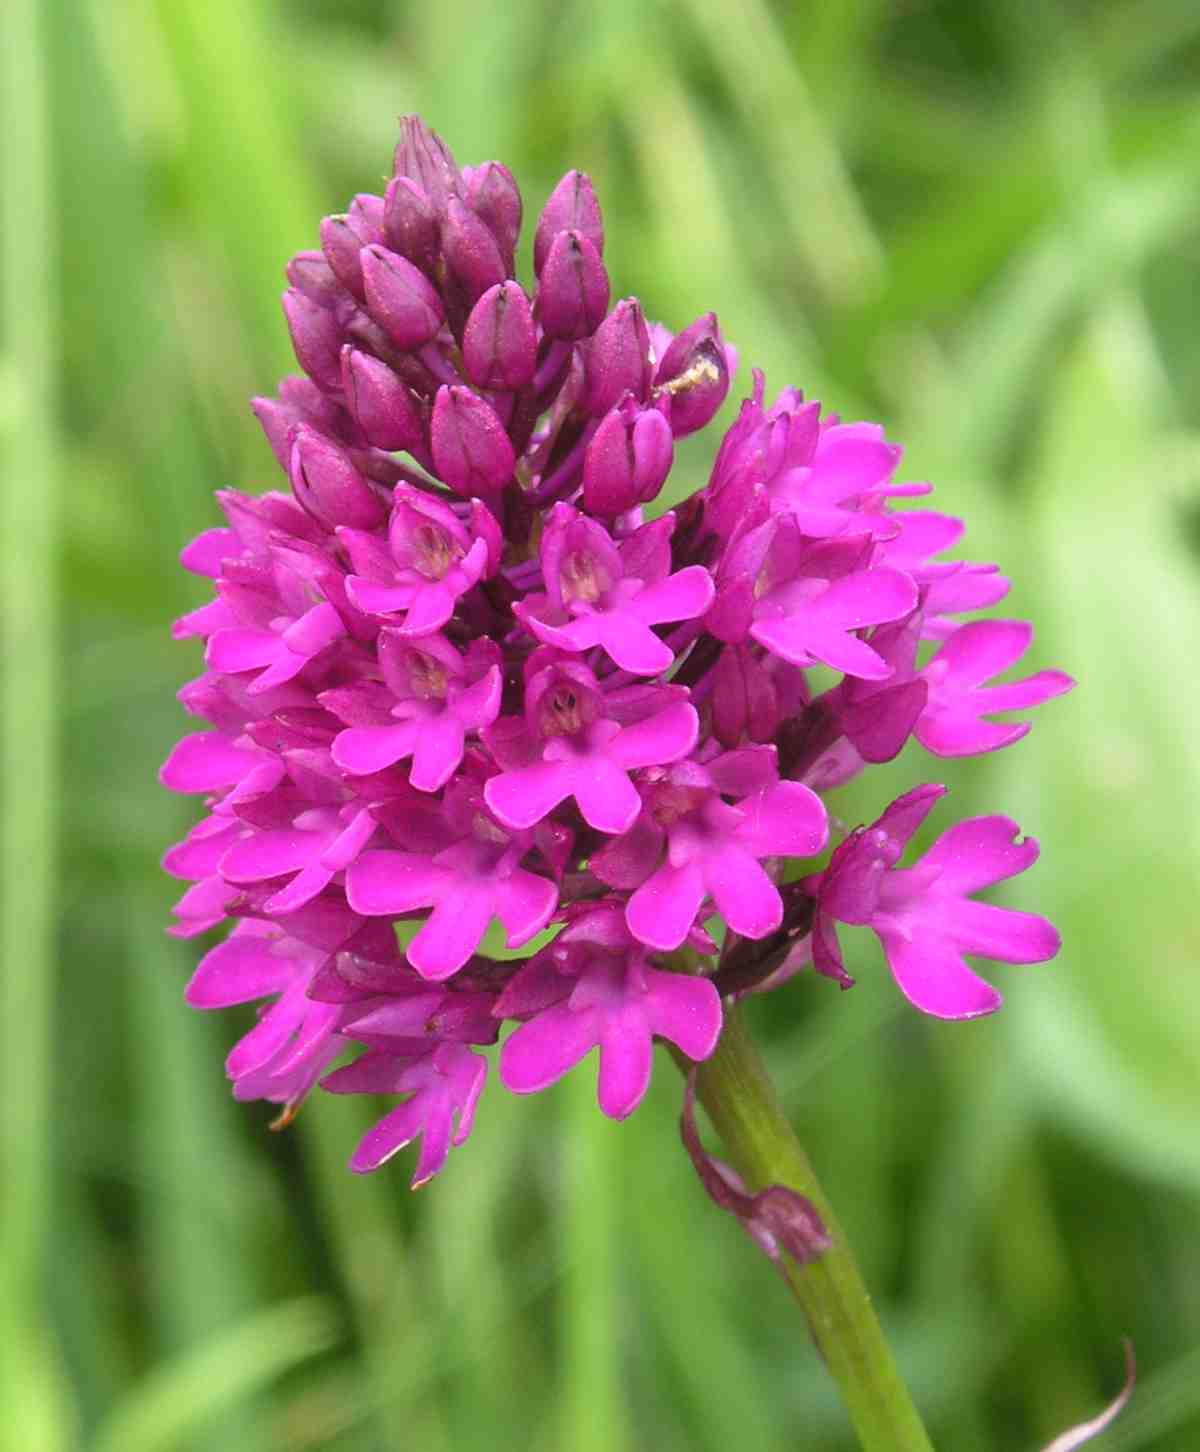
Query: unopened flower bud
571	206
315	337
492	194
618	359
410	223
329	486
471	451
401	298
343	238
694	373
423	156
472	254
309	273
745	703
627	460
573	290
385	410
500	340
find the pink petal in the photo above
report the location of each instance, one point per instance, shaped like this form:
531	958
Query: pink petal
431	607
979	851
453	930
661	912
388	1137
268	1036
271	854
382	882
669	736
207	552
1001	933
607	798
933	976
866	597
522	798
479	704
435	1141
364	749
306	885
626	1060
958	733
314	630
1020	695
685	1010
786	820
745	896
682	596
207	620
982	649
239	970
800	641
375	599
242	650
541	1051
524	905
630	643
206	762
851	459
439	750
199	853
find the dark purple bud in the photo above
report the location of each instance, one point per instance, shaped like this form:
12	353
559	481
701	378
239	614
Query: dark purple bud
316	338
277	421
400	298
627	460
573	288
471	252
500	341
745	703
571	207
385	410
410	223
618	359
309	273
299	401
694	373
471	451
343	238
422	155
493	195
778	1219
329	486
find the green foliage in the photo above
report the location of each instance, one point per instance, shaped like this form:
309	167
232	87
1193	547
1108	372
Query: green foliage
977	223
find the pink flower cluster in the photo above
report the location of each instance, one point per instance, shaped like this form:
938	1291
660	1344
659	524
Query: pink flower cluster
457	683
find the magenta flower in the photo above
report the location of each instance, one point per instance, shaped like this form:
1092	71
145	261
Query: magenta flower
713	850
804	599
601	593
924	915
455	678
468	873
430	559
582	753
437	696
443	1085
594	988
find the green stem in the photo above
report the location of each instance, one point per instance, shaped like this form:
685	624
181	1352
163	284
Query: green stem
737	1092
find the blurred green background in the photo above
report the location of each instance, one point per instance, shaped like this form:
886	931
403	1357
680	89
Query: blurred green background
977	223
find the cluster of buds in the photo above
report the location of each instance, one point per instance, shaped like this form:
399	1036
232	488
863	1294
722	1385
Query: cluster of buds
459	684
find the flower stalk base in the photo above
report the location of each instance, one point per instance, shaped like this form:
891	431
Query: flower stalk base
736	1091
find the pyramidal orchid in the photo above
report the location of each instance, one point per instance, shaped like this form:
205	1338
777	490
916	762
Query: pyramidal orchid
465	674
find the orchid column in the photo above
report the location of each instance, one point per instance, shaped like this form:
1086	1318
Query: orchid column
461	679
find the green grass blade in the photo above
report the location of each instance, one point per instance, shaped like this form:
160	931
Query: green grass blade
37	1410
179	1396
